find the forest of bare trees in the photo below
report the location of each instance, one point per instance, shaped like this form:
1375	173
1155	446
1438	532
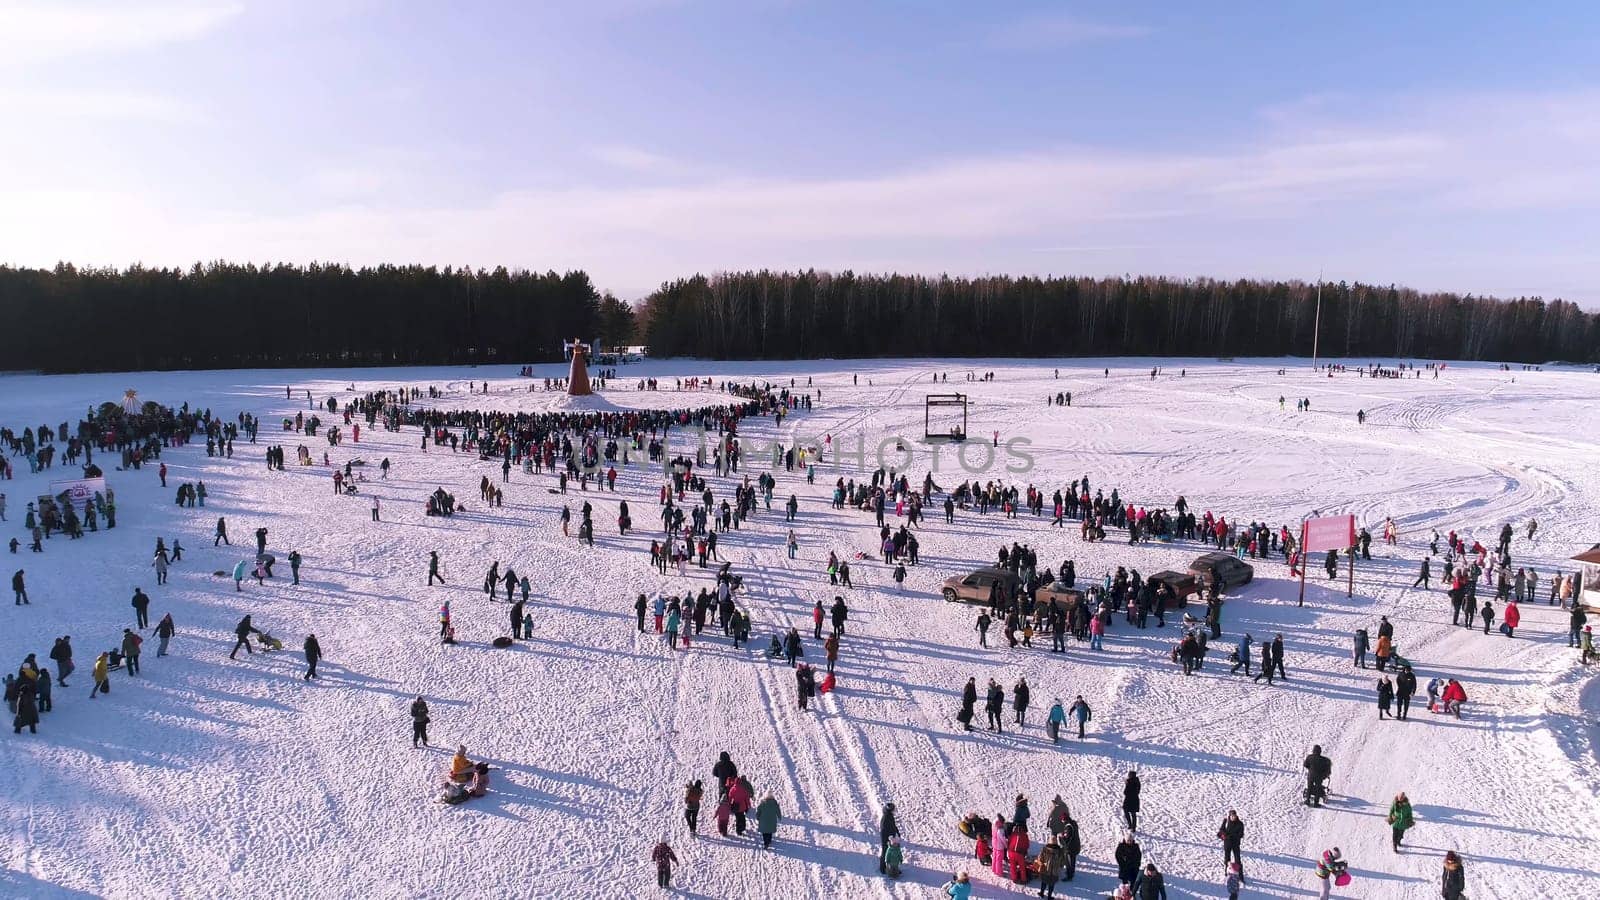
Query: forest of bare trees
226	315
783	315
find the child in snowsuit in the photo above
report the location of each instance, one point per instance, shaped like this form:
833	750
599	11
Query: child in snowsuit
664	860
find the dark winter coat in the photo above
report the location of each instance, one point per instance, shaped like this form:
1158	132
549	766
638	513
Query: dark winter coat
27	707
1453	882
1318	766
1405	684
1152	887
313	650
1128	857
724	769
996	701
887	826
1130	793
1232	831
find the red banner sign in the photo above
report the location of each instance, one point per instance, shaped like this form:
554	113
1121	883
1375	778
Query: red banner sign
1330	533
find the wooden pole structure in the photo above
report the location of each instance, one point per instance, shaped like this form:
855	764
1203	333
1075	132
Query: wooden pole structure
1304	558
1350	590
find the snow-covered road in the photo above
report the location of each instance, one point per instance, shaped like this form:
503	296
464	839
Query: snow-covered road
215	778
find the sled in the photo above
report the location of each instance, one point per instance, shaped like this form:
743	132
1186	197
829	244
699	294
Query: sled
1342	879
974	826
501	642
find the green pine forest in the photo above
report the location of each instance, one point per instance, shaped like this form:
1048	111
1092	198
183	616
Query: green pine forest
226	315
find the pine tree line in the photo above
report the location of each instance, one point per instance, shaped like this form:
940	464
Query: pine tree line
803	315
226	315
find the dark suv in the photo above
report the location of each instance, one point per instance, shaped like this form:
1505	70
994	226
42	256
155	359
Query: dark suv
1183	584
1221	569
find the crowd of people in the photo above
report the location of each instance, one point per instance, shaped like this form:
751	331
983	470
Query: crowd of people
587	447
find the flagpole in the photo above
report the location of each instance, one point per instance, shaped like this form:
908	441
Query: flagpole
1316	326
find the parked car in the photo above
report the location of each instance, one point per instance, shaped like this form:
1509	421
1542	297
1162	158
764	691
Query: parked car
1221	569
974	587
1182	583
1058	593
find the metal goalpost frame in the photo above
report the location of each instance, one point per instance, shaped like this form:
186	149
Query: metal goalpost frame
943	400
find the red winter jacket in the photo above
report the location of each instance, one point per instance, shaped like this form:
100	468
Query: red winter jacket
739	797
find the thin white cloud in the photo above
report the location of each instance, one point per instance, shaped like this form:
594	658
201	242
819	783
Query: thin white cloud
635	159
32	32
1058	30
1346	188
42	103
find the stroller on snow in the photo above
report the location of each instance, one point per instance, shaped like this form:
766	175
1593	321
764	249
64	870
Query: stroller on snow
268	642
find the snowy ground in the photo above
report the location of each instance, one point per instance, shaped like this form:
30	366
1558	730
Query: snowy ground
216	778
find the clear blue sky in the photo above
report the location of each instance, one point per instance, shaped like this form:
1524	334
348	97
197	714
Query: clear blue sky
1444	146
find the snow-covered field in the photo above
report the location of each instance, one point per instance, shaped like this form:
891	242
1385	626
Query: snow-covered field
214	778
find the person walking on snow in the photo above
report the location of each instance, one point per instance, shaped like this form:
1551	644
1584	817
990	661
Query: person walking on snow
1231	833
888	829
664	859
164	632
419	722
1081	714
1400	819
102	677
242	632
768	815
1453	882
1053	721
1130	801
313	651
141	608
692	794
994	705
